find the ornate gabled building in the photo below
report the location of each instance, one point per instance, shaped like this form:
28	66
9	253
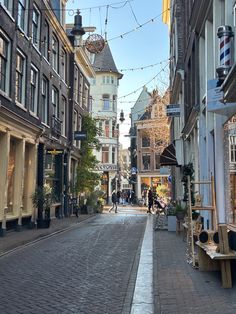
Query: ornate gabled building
40	106
104	90
152	137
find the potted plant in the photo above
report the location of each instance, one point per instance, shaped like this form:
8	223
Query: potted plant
180	211
42	199
171	217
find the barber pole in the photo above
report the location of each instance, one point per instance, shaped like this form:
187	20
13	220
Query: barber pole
225	34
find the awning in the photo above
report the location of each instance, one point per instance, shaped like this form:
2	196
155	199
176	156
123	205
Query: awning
168	157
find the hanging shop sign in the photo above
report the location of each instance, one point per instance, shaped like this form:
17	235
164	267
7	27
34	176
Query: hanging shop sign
173	110
80	135
55	151
106	167
215	100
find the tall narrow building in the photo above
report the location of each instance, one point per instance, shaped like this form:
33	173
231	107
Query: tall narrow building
104	90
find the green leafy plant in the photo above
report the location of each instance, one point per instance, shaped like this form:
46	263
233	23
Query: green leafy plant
42	199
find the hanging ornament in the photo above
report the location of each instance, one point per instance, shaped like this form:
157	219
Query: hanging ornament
95	43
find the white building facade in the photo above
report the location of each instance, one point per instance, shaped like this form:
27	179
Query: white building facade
104	91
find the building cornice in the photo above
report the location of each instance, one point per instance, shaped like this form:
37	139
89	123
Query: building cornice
84	62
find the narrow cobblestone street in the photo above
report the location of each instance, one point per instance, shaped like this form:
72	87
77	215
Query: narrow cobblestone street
84	270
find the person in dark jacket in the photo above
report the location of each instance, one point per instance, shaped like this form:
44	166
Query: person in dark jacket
150	200
114	201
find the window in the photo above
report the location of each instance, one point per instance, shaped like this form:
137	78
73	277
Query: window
104	79
55	53
76	126
113	128
22	18
55	102
20	78
85	96
113	154
145	141
81	83
46	40
7	4
106	102
112	79
4	63
36	27
114	103
107	129
34	89
108	80
232	147
146	161
76	84
105	154
63	65
157	161
63	116
45	98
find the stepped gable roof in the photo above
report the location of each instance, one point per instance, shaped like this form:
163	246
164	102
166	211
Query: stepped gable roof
104	62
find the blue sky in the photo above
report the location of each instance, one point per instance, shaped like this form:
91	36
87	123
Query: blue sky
148	45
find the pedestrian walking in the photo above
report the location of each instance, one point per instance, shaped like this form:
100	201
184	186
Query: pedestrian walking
150	200
114	201
118	197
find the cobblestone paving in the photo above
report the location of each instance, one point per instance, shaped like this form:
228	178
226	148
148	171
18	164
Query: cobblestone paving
180	289
84	270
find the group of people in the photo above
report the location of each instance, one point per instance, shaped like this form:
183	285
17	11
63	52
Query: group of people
121	198
152	199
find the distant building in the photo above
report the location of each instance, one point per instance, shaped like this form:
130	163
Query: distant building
152	137
104	90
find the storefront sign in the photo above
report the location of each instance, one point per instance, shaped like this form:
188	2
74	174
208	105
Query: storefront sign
80	135
173	110
55	151
106	167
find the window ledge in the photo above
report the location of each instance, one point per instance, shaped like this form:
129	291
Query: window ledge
46	125
7	12
33	114
18	104
4	94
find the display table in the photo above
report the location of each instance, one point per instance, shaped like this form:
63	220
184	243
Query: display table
210	260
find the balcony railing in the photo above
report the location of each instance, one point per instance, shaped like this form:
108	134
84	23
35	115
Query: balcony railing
56	126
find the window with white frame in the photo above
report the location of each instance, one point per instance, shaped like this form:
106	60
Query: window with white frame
45	99
20	78
113	154
85	96
145	141
81	84
107	128
104	79
106	102
63	116
63	65
46	40
157	161
55	102
146	159
114	103
76	84
112	79
75	126
8	5
105	154
232	148
4	63
108	80
22	14
55	53
36	20
34	90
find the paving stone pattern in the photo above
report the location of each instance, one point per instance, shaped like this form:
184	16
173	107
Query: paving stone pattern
178	288
84	270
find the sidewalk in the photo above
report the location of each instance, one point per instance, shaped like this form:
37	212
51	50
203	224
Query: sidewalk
179	288
14	239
